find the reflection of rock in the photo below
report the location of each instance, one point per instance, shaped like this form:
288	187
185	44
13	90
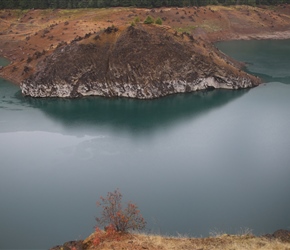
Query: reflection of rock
141	62
130	114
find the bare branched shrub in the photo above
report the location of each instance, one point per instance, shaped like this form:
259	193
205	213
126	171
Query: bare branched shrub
113	214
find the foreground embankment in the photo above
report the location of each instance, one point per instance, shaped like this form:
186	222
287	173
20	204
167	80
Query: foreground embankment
279	240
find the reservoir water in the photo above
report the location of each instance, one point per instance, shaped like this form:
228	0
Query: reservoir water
198	163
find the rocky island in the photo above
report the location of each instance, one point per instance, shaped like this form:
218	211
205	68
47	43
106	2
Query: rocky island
142	61
74	53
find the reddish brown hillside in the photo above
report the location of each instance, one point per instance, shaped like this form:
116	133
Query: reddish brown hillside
34	34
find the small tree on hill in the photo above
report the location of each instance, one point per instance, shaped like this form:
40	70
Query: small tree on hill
149	20
158	21
113	214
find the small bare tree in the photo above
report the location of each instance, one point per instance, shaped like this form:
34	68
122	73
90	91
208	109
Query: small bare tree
115	216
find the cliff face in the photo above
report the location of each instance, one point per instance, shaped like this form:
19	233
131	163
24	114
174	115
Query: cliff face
138	62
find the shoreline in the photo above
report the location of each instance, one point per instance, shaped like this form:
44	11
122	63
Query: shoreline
278	35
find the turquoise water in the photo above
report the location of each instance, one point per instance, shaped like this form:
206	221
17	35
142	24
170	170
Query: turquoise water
268	59
195	164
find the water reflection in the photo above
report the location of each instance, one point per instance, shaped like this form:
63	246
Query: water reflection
129	114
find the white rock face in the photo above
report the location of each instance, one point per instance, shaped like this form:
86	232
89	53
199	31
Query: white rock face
131	90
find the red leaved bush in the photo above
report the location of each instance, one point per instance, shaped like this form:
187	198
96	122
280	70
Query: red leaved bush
110	234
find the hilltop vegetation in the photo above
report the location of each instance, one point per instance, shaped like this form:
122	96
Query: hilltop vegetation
71	4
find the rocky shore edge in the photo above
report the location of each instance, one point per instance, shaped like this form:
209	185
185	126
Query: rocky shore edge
275	35
131	90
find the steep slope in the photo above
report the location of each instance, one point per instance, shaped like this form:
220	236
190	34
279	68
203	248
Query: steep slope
144	61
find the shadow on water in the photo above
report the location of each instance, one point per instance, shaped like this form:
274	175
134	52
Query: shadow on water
130	114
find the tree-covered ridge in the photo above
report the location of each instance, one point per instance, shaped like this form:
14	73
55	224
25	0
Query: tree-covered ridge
70	4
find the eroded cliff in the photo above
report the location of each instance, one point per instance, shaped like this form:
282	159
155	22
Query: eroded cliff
144	61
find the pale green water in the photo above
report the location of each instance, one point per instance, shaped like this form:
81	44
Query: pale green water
195	163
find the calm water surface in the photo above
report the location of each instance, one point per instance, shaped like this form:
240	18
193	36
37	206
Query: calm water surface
198	163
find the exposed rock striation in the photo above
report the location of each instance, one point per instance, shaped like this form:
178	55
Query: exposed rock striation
138	62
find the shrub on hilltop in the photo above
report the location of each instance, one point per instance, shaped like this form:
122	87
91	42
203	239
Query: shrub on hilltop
115	217
158	21
149	20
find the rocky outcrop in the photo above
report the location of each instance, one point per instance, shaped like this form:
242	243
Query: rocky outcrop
138	62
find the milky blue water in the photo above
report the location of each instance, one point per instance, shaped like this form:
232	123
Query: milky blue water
196	163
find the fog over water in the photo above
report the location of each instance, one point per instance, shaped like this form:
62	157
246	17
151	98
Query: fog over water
195	163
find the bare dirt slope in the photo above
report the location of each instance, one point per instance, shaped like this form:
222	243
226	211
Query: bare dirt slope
27	35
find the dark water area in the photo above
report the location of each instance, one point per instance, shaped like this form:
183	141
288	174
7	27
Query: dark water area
195	164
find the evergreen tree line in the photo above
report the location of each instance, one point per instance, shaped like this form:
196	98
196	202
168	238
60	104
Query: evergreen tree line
71	4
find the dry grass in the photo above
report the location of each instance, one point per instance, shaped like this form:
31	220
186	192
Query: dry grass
221	242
